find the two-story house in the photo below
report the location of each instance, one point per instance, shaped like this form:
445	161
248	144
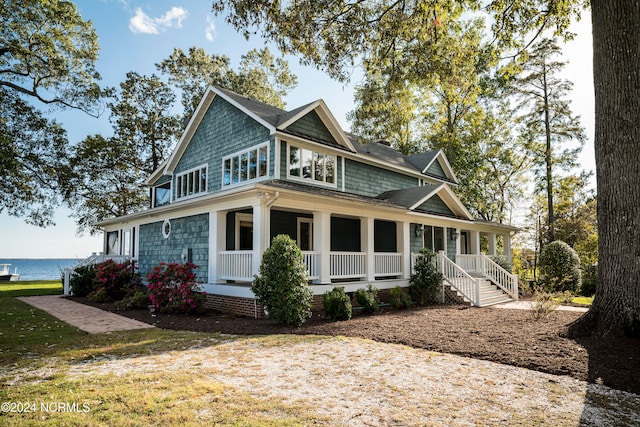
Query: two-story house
244	171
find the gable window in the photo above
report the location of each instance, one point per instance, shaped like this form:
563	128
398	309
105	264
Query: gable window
191	182
245	165
311	165
162	194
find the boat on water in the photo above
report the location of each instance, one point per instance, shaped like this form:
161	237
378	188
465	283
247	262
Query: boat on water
6	275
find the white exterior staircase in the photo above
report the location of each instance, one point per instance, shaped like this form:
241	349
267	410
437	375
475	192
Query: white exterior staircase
478	279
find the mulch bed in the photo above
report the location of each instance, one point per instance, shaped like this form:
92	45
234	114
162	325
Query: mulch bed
511	337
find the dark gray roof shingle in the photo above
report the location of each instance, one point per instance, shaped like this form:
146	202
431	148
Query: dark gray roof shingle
408	196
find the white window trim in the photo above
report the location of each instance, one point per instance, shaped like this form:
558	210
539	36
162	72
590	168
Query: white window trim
312	180
239	154
174	195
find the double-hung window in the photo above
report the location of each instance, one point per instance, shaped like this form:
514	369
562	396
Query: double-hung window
245	165
311	165
191	183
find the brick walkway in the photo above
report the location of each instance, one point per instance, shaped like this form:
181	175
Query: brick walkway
84	317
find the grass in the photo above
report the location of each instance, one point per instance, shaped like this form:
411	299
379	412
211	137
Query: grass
30	288
40	357
583	300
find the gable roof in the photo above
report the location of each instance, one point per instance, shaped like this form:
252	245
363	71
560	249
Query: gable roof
424	161
278	120
412	198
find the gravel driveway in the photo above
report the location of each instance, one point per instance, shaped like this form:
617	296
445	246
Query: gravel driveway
359	382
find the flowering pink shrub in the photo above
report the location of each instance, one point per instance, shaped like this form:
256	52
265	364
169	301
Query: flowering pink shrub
171	288
115	281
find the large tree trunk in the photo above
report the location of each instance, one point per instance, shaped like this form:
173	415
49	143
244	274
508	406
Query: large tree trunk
616	60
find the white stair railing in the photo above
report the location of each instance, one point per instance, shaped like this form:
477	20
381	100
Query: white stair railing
95	258
502	278
459	279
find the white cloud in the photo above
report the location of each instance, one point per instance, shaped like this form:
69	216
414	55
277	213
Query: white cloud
143	23
210	31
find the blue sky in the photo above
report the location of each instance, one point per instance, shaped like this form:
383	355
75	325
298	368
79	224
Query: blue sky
135	35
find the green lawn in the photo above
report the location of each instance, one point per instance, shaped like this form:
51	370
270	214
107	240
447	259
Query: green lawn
38	354
30	288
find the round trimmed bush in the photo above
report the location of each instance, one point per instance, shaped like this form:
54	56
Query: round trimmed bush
337	304
560	268
282	286
368	299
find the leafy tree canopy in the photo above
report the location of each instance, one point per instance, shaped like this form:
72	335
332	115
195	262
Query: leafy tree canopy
47	56
48	52
260	76
335	35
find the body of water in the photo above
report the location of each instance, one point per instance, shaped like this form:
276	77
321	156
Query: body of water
39	269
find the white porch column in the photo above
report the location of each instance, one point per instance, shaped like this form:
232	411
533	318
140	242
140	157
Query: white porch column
403	230
260	228
507	246
217	242
474	246
322	243
367	237
491	249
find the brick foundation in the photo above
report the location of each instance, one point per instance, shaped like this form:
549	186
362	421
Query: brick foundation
235	305
249	308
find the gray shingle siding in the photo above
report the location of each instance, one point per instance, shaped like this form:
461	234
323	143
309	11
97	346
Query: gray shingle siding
312	126
367	180
435	205
190	232
223	130
436	170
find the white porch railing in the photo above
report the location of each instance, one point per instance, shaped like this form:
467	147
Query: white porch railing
482	265
312	261
347	265
387	264
459	279
236	265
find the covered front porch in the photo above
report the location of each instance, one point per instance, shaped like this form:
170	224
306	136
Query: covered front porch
343	244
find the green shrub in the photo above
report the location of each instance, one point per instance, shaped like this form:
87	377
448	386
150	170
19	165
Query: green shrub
502	261
426	280
337	304
399	299
589	280
83	281
138	300
172	288
559	268
282	286
368	299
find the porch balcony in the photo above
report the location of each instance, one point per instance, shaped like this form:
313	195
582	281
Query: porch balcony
237	265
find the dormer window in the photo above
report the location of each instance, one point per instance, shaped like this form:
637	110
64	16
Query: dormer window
246	165
191	183
311	165
162	194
